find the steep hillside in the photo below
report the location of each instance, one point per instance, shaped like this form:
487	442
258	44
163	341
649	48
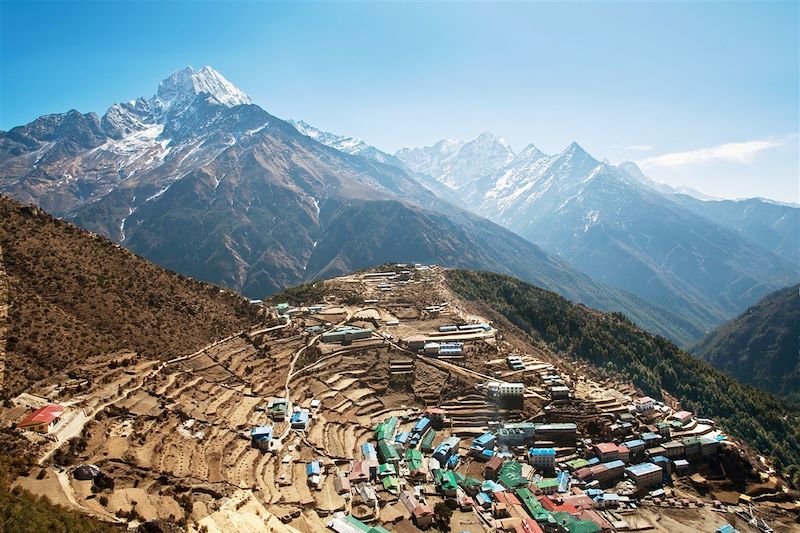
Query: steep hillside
73	295
762	345
650	362
353	146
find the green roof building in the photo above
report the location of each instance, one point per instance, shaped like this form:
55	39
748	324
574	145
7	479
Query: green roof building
573	525
510	475
533	505
427	442
387	453
548	485
386	429
447	482
358	525
386	469
413	455
577	464
391	484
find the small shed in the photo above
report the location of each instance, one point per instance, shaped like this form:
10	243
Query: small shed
85	472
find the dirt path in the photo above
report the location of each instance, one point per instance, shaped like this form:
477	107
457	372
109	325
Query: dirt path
69	492
291	372
267	330
75	429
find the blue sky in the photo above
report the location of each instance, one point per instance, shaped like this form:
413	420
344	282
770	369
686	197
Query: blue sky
701	94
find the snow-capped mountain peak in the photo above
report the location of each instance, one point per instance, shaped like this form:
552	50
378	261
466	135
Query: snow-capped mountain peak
457	163
575	150
183	85
530	152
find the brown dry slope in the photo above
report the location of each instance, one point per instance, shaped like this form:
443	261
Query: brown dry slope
73	295
3	319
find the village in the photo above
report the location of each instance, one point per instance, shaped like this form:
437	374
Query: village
387	404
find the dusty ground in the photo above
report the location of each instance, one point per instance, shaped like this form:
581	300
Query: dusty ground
175	437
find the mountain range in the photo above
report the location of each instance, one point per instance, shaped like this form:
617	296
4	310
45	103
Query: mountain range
707	260
202	181
761	346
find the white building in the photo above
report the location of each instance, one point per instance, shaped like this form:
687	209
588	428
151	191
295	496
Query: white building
499	389
542	459
644	404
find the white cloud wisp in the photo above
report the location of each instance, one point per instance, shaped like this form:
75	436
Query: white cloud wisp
737	152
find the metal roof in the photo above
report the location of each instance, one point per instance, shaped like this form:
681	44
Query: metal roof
43	415
643	469
543	451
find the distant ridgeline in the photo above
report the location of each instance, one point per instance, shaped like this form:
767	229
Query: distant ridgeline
612	342
761	346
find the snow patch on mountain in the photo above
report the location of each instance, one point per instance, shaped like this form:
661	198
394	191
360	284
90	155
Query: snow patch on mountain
348	145
456	163
184	85
591	219
159	193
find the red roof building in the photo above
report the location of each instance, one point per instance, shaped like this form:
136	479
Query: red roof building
548	504
579	501
43	419
682	416
591	515
359	472
511	506
608	451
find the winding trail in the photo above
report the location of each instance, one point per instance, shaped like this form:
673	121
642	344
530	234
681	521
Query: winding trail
290	373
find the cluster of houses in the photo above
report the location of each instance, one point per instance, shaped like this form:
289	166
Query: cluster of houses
555	384
279	410
648	458
525	486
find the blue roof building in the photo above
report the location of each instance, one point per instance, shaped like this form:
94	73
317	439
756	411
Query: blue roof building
491	486
443	451
260	437
486	440
313	468
261	432
563	478
483	499
635	445
421	425
368	452
543	451
645	475
299	420
614	464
